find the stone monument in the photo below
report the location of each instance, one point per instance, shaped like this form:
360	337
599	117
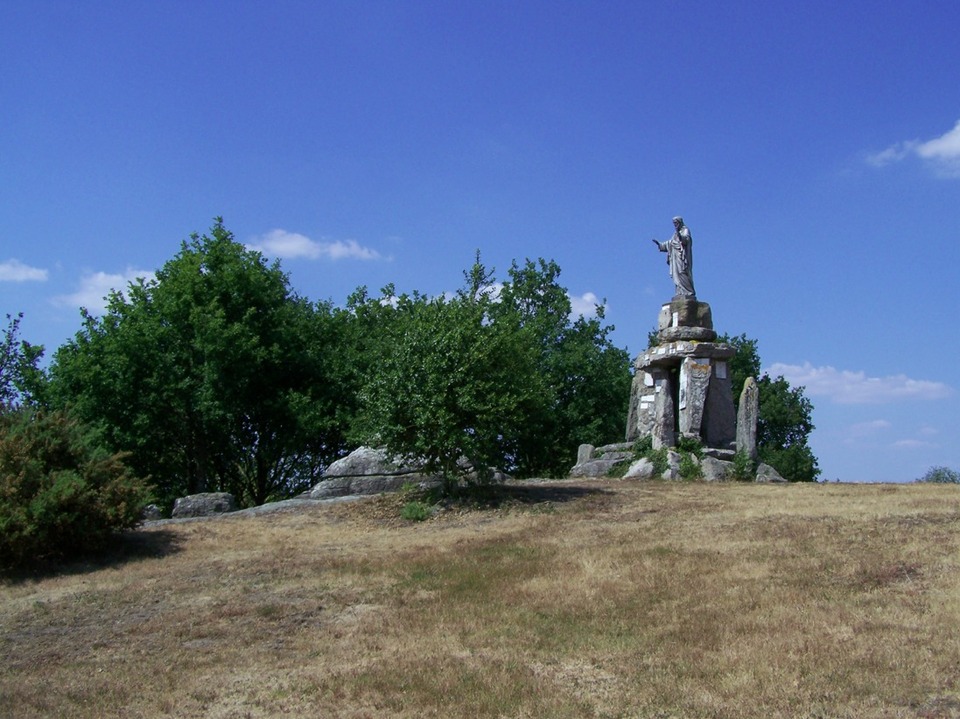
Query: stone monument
682	389
681	386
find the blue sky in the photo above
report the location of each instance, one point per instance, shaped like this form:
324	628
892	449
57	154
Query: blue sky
813	149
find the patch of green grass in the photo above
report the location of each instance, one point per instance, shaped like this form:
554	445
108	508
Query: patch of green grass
415	511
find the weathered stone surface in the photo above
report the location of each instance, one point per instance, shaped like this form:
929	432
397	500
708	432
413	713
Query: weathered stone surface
204	505
151	513
374	484
640	413
363	462
664	410
719	425
602	459
595	467
699	334
766	473
715	470
723	454
671	354
747	415
673	466
585	453
695	374
641	469
685	313
370	471
367	470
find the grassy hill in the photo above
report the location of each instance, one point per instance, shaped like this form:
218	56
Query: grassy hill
597	598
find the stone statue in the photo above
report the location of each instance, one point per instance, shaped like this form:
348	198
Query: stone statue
679	249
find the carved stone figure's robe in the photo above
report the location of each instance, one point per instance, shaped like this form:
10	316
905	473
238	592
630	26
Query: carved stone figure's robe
679	249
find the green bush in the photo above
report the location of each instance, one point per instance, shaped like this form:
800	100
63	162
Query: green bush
744	468
689	467
689	445
659	459
941	475
415	511
60	494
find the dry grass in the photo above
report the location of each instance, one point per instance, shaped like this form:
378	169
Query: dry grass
580	599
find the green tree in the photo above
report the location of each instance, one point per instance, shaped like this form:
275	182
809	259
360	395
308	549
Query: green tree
941	475
585	378
785	420
214	375
454	388
21	379
61	494
783	428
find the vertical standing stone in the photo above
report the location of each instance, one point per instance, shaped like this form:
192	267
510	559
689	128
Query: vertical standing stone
747	416
694	382
719	415
664	412
585	453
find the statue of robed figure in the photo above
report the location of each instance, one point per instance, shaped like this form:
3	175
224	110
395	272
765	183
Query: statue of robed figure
679	249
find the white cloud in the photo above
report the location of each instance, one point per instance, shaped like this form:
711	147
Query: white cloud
941	153
292	245
846	387
862	429
585	305
16	271
95	286
913	444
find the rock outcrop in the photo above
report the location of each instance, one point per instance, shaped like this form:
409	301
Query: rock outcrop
204	505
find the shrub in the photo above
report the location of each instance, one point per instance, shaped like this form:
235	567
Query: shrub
689	466
941	475
60	493
658	457
415	511
690	445
744	468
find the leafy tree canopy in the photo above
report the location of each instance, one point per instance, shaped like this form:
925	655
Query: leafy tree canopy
941	475
499	374
21	379
785	414
214	375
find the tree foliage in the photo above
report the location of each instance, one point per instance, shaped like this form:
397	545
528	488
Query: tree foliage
585	378
61	494
213	376
498	374
784	420
21	379
941	475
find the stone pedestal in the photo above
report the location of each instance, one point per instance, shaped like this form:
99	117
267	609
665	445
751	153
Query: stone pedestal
685	319
681	387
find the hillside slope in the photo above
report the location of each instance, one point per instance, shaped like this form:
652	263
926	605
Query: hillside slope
594	598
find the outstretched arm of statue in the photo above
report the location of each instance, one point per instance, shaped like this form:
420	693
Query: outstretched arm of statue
659	245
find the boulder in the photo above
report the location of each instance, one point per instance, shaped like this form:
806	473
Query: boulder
365	470
673	466
715	470
766	473
152	512
641	469
597	461
204	505
365	462
371	471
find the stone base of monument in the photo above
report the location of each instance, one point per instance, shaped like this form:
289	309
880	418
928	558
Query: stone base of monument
682	389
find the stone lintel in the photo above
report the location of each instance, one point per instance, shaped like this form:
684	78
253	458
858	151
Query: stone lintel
698	334
672	354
